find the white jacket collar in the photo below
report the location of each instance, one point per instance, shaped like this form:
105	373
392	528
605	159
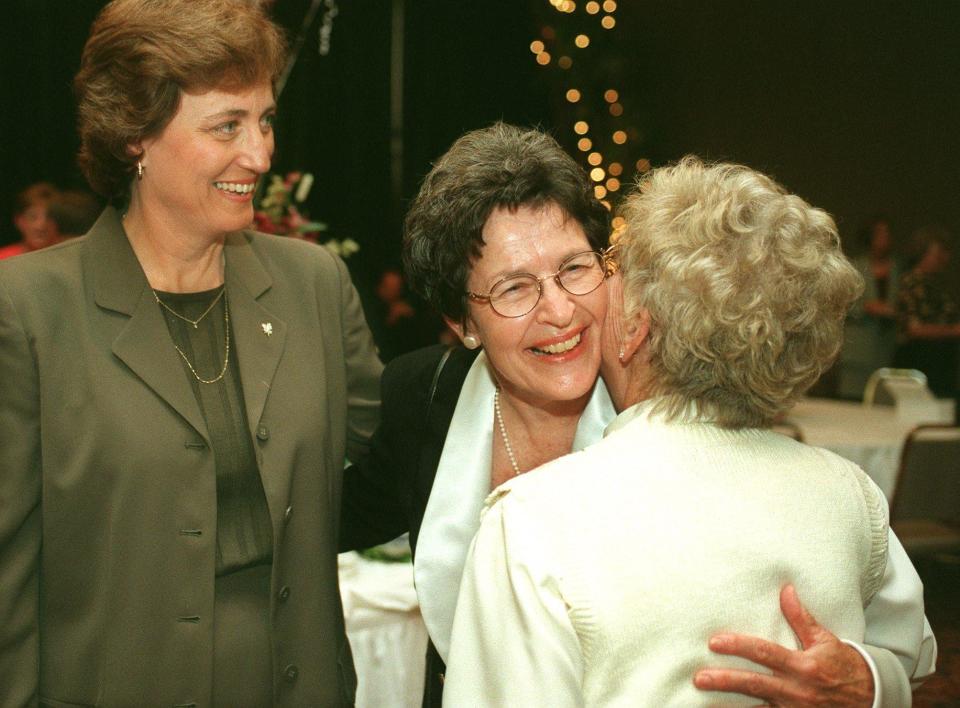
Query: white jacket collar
462	482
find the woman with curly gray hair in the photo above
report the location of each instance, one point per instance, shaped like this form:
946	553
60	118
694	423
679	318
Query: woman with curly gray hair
602	577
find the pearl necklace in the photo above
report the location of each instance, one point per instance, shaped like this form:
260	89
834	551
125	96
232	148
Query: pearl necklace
503	432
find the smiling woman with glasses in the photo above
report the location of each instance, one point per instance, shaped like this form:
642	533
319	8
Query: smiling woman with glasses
505	239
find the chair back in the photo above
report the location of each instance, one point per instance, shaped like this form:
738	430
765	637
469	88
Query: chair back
925	508
885	385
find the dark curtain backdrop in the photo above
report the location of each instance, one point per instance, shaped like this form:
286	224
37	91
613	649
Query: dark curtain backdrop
853	104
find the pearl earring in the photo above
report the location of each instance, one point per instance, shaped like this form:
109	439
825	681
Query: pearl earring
621	354
470	342
139	170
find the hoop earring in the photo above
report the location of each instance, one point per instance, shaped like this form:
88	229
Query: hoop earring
470	342
139	170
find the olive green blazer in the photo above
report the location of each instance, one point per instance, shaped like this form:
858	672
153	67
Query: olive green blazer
107	482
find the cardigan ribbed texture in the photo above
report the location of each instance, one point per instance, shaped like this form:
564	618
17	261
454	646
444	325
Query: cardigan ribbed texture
665	533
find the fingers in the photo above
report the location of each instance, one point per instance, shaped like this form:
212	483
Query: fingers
770	689
801	621
757	650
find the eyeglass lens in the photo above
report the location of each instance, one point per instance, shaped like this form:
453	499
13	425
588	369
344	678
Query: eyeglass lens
519	294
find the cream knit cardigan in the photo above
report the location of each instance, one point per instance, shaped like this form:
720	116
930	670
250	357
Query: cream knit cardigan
598	579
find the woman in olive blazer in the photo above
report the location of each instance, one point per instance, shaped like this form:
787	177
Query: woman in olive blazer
108	493
178	397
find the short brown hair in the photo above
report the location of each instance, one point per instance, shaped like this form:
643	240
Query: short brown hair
36	193
142	54
498	166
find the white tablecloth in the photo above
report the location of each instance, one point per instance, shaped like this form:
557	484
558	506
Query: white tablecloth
872	437
386	633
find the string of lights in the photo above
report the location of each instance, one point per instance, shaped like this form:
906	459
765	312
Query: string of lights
577	45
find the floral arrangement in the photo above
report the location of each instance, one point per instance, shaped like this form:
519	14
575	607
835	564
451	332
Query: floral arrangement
277	213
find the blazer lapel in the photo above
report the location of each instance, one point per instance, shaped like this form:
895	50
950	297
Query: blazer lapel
259	334
144	343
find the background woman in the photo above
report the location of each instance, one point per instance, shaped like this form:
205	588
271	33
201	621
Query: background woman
179	396
869	335
32	220
928	314
599	579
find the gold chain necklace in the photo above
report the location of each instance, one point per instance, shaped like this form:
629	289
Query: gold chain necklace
503	432
226	355
187	319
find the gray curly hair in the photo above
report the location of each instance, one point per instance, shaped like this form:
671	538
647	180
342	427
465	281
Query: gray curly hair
745	285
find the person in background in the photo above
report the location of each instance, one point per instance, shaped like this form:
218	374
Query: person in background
600	578
870	332
32	220
503	239
928	314
73	212
179	395
400	325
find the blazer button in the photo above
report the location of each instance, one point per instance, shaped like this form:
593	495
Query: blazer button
284	594
263	433
290	673
287	514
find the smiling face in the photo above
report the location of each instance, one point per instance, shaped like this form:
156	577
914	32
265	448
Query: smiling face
550	355
200	172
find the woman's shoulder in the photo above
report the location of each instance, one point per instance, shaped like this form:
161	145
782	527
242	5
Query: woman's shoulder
39	269
545	492
440	367
290	251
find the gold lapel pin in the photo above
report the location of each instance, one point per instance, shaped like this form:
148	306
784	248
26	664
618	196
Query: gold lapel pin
267	328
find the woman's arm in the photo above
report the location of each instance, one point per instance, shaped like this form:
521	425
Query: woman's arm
898	640
363	370
19	511
370	512
512	643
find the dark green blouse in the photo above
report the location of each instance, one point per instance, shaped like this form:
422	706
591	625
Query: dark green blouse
244	532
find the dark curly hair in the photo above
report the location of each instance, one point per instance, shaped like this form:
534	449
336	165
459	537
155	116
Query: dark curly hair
142	54
498	166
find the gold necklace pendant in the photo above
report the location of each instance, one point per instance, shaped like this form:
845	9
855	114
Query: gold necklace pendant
226	355
187	319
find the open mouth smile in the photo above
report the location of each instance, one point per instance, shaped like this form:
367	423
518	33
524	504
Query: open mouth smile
560	347
236	187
